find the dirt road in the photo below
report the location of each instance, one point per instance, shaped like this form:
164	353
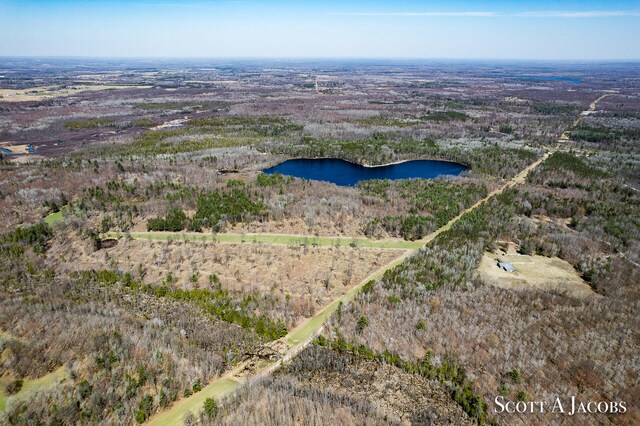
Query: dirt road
592	107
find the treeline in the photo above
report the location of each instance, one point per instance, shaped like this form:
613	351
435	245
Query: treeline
331	387
563	162
213	210
566	170
418	121
600	134
115	199
554	108
448	372
217	303
164	142
273	179
174	220
35	236
266	125
89	123
205	133
121	202
370	151
494	160
445	116
285	400
433	204
491	160
172	105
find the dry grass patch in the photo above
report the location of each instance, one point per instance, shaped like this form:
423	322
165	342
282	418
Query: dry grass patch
47	92
533	272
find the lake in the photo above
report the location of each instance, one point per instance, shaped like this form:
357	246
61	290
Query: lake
536	77
549	78
344	173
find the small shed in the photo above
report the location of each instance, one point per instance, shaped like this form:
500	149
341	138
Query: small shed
506	266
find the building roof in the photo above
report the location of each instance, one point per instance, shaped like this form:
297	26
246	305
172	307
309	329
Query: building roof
506	266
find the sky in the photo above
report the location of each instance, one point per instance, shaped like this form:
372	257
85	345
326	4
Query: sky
480	29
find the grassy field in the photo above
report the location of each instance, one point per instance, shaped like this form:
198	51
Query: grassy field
193	404
53	218
30	387
272	239
539	272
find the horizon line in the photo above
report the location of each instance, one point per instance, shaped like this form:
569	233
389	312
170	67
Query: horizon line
306	58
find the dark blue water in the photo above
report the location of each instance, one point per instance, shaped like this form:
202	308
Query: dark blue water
344	173
536	77
549	78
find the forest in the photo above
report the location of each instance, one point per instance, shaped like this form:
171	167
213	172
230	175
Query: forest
153	272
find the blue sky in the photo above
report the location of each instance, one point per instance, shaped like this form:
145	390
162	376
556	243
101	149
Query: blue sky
541	29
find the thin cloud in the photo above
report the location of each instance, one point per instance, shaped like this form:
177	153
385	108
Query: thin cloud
191	5
474	14
532	14
582	14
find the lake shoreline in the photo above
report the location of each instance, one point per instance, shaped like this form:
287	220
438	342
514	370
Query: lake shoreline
347	173
373	165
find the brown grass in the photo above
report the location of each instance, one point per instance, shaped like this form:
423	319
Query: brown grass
533	272
47	92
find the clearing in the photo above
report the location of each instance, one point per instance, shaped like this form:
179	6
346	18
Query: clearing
47	92
533	272
30	386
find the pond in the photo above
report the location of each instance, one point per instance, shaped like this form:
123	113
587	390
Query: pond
344	173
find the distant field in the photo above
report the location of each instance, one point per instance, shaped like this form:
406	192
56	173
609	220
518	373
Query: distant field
47	92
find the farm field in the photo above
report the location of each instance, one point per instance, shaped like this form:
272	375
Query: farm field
49	92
